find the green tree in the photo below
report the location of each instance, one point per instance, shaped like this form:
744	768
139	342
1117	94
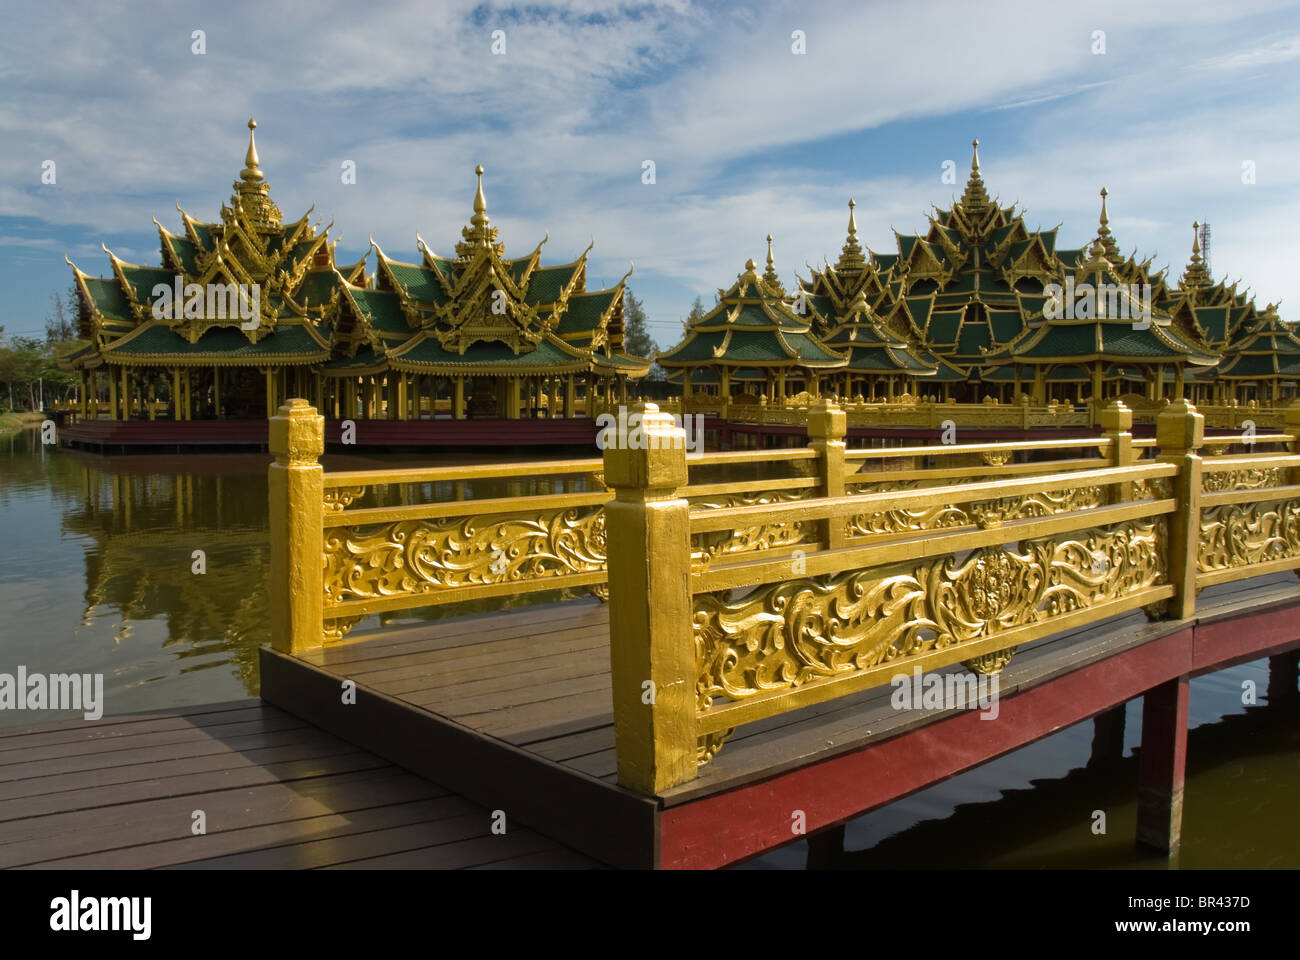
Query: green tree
61	321
636	338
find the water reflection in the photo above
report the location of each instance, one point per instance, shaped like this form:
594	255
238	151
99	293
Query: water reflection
98	572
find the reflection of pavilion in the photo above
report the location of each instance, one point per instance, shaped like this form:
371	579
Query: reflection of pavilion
146	527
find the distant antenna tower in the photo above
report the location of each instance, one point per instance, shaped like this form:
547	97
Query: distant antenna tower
1205	246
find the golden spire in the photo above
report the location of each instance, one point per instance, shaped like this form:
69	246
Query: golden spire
1196	277
851	259
252	193
975	200
770	276
252	172
480	217
1104	235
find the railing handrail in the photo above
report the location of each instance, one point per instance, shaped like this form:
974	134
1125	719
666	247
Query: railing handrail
720	518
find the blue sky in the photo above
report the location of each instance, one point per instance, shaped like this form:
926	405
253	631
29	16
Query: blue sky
747	137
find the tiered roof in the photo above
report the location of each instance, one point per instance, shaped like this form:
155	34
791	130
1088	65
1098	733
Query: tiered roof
752	326
480	313
291	265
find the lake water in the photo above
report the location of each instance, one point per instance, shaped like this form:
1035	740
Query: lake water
96	558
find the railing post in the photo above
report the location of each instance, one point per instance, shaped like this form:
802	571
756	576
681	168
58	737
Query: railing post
296	484
651	649
1180	431
1291	425
1117	423
826	429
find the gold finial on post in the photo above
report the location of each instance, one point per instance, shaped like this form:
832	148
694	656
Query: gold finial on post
252	172
975	156
480	217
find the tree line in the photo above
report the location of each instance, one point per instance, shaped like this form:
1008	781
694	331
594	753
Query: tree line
29	367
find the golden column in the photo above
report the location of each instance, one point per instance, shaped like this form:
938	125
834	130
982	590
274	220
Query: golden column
1180	432
296	485
652	653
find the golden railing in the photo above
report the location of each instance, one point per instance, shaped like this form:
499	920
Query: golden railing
971	572
910	413
824	573
400	539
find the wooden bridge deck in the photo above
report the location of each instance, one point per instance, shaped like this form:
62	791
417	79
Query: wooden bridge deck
514	709
276	792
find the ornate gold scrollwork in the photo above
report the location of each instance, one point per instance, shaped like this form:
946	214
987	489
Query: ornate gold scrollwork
991	663
983	513
707	746
1242	479
425	556
339	498
995	458
336	628
786	635
1240	534
748	539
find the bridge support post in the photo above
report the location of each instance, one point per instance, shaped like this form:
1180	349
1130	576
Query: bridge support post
1108	736
1162	765
1180	431
296	483
826	428
651	651
1282	670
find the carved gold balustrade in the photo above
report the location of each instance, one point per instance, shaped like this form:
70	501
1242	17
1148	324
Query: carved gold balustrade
965	567
738	599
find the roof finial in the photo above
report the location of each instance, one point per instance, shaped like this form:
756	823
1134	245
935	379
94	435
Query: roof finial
480	217
975	156
851	259
975	199
252	171
1104	219
1196	240
770	276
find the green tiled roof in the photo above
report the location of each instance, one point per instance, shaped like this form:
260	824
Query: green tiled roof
547	283
316	288
492	355
383	309
229	344
585	310
144	279
420	283
109	300
185	253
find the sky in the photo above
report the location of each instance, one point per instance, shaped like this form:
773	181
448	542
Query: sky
758	118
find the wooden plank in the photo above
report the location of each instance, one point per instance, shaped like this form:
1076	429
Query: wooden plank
62	835
79	723
86	731
439	634
274	841
21	755
480	678
311	747
116	758
468	852
521	651
613	825
194	784
450	704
